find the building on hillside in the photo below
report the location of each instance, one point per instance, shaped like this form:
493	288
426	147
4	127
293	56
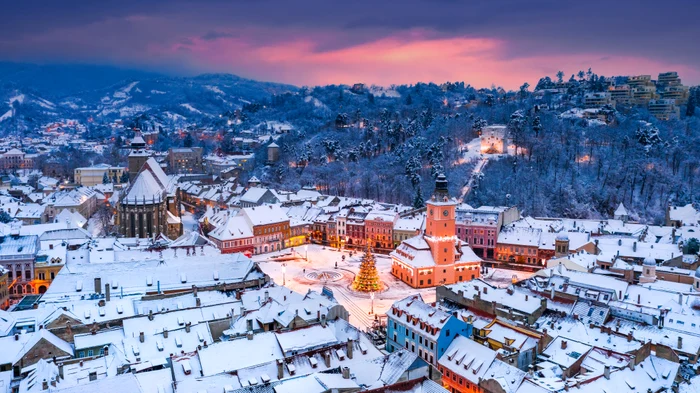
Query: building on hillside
598	100
423	329
16	159
150	206
679	94
678	216
93	175
436	257
17	255
185	160
664	109
667	79
493	139
620	94
273	153
270	226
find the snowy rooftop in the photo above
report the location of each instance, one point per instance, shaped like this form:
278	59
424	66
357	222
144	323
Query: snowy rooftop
139	272
516	299
468	359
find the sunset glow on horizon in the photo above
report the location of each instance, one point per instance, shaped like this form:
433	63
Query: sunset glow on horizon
301	44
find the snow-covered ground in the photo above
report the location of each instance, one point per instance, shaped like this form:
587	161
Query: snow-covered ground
320	259
189	222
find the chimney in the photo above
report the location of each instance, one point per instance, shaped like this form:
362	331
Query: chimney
349	347
249	335
634	246
606	372
198	302
631	363
327	358
165	332
53	382
680	298
142	337
564	344
629	336
16	337
188	327
346	372
150	315
194	290
60	371
527	297
323	320
639	298
98	285
486	290
267	295
680	342
280	369
107	292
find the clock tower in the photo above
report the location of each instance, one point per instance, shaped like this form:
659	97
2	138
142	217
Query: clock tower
440	224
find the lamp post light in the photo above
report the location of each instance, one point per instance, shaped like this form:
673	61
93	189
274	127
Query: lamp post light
306	251
371	296
284	270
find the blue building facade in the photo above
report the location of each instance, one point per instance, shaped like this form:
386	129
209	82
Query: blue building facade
422	329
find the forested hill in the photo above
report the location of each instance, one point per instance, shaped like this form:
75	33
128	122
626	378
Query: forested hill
388	144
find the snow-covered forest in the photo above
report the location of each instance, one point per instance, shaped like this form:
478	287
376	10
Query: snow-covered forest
389	145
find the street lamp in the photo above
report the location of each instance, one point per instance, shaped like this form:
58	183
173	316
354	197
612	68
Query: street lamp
371	296
284	270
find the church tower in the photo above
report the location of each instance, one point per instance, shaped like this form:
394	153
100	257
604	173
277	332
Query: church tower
440	224
138	155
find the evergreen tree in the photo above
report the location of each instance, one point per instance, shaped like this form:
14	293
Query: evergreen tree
690	110
418	201
189	141
560	76
537	126
125	177
367	279
5	217
105	178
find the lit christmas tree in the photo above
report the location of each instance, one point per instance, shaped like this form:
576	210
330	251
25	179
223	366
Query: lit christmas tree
367	280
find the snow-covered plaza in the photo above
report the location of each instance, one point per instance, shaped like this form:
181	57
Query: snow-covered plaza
313	266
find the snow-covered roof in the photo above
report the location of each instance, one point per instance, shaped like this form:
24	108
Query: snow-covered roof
415	307
265	215
512	298
468	359
687	214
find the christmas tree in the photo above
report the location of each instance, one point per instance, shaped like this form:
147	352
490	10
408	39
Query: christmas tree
367	280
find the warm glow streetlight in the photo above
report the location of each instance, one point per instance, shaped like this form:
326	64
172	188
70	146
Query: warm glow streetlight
284	270
371	296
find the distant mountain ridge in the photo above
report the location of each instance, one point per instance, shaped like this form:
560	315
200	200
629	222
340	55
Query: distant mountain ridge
53	92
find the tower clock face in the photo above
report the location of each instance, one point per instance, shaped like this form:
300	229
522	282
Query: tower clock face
431	212
445	213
